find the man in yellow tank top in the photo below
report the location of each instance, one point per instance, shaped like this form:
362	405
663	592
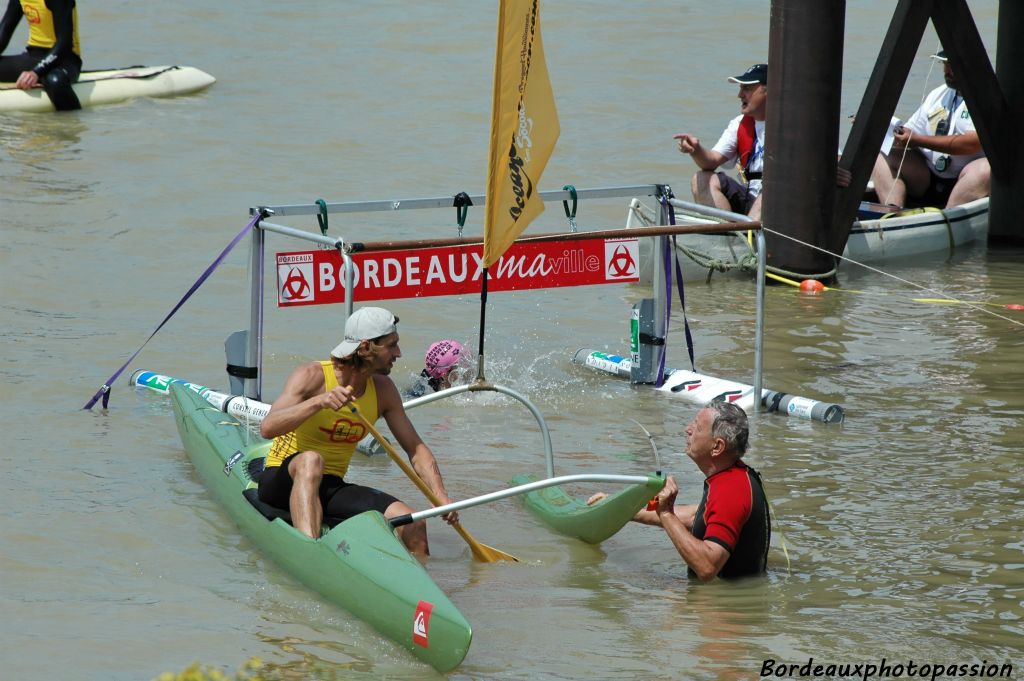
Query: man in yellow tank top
315	433
53	57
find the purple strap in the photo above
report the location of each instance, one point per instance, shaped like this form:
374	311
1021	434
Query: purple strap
667	266
104	390
667	255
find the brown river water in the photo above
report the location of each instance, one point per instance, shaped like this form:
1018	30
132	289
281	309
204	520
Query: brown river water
903	526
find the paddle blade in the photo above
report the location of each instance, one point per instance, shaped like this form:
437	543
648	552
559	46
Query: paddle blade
483	552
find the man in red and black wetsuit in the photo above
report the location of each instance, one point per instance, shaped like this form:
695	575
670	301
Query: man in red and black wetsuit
728	532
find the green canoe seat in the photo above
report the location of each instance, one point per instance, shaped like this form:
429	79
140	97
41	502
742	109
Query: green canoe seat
269	512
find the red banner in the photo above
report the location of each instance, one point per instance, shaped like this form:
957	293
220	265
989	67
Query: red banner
318	277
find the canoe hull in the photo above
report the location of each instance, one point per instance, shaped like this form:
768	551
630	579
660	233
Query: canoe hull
927	232
360	564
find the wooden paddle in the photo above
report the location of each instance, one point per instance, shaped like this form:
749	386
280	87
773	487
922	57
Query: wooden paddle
483	552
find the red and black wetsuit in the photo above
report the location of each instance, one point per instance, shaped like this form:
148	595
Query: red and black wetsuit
734	513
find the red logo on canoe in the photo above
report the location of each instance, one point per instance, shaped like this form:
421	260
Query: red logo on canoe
421	624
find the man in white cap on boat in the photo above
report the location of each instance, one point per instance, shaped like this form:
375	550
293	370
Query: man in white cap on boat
727	534
315	433
936	157
742	141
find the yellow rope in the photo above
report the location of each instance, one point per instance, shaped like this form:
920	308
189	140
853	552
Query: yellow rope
912	284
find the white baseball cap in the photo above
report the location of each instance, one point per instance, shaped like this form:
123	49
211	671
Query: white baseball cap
366	323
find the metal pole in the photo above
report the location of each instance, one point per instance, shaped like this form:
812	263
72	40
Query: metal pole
661	303
301	234
519	489
390	205
626	233
708	211
762	263
254	343
350	280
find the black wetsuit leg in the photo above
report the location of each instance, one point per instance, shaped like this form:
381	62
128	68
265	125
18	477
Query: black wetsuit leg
13	65
57	84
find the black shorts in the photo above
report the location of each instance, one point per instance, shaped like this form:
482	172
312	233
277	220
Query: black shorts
937	193
736	192
340	500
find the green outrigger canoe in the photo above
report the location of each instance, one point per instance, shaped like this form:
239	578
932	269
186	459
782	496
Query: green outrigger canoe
359	564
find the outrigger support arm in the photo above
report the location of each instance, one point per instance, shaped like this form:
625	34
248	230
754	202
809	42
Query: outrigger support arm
408	518
478	386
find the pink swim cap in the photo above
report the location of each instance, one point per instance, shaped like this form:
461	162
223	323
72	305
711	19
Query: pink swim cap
442	356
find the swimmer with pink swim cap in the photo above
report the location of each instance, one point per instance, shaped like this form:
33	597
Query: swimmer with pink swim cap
441	359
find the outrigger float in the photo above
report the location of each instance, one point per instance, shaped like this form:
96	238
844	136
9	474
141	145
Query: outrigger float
702	389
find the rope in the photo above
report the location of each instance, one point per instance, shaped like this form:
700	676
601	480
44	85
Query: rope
893	276
104	390
924	93
746	263
949	232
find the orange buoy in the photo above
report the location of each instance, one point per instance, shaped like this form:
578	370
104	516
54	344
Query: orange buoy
811	286
1015	306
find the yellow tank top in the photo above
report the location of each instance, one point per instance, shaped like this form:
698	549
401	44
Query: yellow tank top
334	434
41	32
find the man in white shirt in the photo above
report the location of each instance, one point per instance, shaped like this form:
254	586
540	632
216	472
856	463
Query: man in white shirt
936	157
743	140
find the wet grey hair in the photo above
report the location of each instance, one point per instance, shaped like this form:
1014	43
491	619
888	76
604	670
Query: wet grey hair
731	425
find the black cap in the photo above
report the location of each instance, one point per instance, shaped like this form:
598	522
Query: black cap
758	73
941	56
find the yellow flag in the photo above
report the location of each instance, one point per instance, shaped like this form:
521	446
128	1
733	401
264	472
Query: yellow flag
524	127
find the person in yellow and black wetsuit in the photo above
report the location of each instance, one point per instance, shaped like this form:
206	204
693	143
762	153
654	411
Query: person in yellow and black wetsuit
315	433
53	56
